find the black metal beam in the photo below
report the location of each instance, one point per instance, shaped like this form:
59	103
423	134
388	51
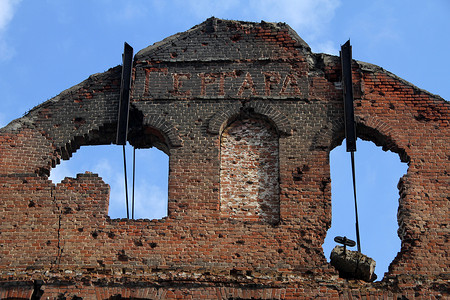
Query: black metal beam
124	102
349	115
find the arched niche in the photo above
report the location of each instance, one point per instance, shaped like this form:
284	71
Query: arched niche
249	170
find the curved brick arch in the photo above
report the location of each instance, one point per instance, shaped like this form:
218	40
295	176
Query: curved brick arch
281	121
222	118
330	136
166	128
219	121
382	134
367	128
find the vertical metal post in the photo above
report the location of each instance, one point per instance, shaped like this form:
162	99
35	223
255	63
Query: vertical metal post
349	115
356	203
124	104
126	184
134	176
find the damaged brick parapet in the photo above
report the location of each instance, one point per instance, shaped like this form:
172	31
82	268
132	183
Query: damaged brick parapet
248	116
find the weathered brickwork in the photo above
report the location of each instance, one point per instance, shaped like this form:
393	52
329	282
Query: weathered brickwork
203	96
249	185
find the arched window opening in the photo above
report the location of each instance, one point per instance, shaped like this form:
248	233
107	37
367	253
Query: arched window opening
377	176
151	181
249	172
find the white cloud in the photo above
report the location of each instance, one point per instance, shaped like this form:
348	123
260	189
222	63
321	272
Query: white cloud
120	11
207	8
7	10
310	18
150	199
328	47
57	174
105	168
150	202
117	206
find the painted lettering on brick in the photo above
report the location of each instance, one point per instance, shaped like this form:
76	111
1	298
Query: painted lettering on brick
290	86
270	79
178	79
247	84
147	77
160	83
210	78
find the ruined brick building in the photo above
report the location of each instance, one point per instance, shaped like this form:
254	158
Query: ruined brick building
248	116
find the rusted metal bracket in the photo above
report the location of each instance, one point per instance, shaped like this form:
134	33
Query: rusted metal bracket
345	241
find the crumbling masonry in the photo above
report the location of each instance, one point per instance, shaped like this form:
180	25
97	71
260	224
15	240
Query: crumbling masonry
248	116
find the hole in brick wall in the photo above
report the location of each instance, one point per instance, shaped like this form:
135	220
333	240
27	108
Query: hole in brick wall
377	175
151	183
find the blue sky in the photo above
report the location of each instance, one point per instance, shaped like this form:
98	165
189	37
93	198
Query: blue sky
48	46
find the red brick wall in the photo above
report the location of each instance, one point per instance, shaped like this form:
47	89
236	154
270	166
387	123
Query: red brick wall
225	76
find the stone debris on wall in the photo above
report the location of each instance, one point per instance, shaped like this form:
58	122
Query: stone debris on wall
205	97
353	264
